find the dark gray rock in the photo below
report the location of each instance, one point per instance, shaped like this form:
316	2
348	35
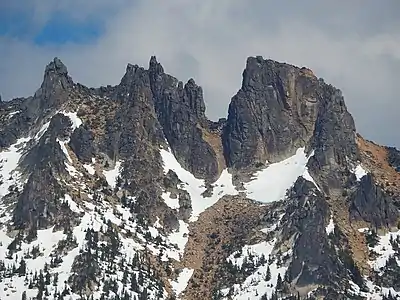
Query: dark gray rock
370	203
333	140
39	206
82	143
181	113
47	153
272	115
56	80
171	180
318	259
185	205
134	136
306	217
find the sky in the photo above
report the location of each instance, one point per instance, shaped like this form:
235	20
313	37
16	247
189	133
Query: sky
352	44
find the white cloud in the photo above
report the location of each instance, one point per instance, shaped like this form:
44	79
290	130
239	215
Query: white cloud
210	40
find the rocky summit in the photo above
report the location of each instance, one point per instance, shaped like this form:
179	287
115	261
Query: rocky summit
131	192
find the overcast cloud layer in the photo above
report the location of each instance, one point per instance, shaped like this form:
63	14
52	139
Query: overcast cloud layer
354	45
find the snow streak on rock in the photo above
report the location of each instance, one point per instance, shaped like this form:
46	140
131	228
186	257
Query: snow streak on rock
196	187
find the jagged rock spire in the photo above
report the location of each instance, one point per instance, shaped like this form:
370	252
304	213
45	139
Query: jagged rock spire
55	79
56	67
155	66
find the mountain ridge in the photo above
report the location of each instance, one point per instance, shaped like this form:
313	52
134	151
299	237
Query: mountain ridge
145	197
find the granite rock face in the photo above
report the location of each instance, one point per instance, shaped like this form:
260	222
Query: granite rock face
306	217
370	203
47	153
82	143
272	115
333	141
40	203
181	113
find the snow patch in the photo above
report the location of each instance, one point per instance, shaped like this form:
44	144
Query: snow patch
64	149
47	240
384	249
69	163
360	172
171	202
72	204
76	121
247	250
112	175
196	187
375	292
178	238
90	169
42	130
271	183
182	281
10	115
274	226
9	159
307	176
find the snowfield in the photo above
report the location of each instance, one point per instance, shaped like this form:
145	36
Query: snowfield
271	183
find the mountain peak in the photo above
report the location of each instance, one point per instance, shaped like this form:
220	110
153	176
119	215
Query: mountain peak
155	66
55	78
56	66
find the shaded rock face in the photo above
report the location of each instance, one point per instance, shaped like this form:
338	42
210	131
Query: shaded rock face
134	136
314	259
272	115
39	205
333	140
82	143
47	153
181	113
370	203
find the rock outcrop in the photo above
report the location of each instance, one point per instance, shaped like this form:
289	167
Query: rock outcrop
181	113
272	115
370	203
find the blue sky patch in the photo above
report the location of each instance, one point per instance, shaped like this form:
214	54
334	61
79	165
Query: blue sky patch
61	29
14	24
58	30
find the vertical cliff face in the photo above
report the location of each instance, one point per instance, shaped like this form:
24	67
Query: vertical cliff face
181	112
127	191
272	115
